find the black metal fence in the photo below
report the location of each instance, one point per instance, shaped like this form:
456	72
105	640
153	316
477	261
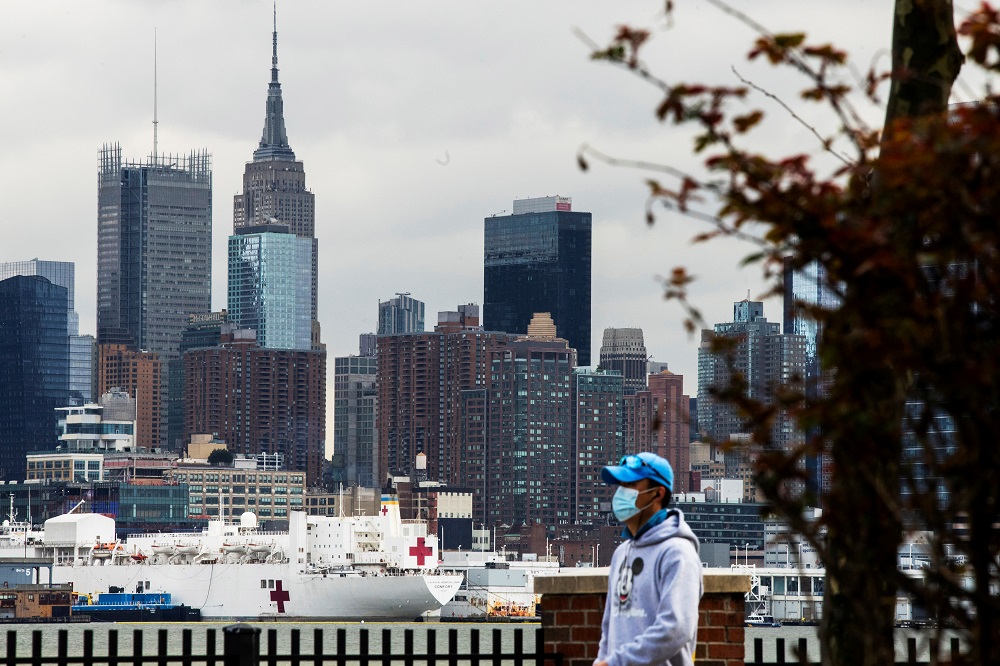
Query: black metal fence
798	653
241	646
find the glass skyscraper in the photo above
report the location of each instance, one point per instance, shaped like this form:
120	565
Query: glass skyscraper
539	260
354	436
154	257
270	285
34	368
81	347
62	273
154	248
401	314
803	289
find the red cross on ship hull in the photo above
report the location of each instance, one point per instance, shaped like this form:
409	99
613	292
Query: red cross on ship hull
421	551
280	596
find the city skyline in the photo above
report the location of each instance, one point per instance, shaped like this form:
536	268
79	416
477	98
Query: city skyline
420	159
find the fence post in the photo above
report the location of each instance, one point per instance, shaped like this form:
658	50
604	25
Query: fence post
241	645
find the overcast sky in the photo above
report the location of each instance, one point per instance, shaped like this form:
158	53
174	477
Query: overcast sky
414	121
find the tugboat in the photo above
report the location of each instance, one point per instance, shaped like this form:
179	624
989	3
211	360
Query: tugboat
133	607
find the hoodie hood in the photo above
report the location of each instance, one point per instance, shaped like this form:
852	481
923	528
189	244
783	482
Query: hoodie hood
673	527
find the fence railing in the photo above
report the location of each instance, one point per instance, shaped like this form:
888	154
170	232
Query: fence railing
799	653
241	646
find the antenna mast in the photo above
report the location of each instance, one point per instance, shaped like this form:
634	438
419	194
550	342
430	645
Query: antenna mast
155	121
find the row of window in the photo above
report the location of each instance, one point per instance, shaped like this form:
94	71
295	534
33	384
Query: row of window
65	464
242	501
245	477
263	512
243	490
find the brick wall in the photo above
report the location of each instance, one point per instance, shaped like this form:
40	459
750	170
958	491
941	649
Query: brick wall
573	605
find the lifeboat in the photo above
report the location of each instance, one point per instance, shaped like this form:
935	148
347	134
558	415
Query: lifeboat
235	548
259	548
163	548
140	557
104	550
187	549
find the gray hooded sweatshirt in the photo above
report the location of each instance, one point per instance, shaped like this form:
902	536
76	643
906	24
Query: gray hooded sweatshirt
654	586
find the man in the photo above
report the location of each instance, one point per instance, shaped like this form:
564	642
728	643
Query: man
654	583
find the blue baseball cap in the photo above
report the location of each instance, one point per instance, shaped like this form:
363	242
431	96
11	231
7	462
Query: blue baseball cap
643	465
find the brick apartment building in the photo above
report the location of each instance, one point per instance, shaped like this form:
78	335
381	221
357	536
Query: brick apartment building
259	400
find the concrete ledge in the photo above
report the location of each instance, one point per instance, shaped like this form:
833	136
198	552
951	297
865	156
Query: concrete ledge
719	582
580	581
595	581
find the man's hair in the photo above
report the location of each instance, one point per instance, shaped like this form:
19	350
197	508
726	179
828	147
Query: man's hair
667	497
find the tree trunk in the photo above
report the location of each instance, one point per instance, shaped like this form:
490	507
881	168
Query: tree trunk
863	512
925	59
864	527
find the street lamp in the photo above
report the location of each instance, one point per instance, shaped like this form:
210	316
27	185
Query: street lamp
746	554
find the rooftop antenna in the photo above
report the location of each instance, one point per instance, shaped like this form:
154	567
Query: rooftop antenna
155	121
274	45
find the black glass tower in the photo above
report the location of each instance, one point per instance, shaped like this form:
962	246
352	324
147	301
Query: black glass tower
538	260
34	368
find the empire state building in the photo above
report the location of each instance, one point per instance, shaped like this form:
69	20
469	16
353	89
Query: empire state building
274	201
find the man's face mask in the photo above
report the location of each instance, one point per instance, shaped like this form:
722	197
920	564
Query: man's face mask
623	504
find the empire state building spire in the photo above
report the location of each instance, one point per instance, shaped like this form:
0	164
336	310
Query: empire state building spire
274	141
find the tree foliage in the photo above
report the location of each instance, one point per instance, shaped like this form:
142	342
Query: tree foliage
905	227
220	457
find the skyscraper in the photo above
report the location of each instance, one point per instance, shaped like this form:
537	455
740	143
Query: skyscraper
34	368
402	314
154	248
539	260
354	433
62	273
658	421
154	255
803	289
530	463
269	278
81	347
624	351
599	440
421	379
765	358
274	184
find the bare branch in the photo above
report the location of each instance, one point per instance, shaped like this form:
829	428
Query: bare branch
850	119
640	69
824	143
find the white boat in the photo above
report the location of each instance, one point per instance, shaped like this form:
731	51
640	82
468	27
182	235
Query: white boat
494	586
367	567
